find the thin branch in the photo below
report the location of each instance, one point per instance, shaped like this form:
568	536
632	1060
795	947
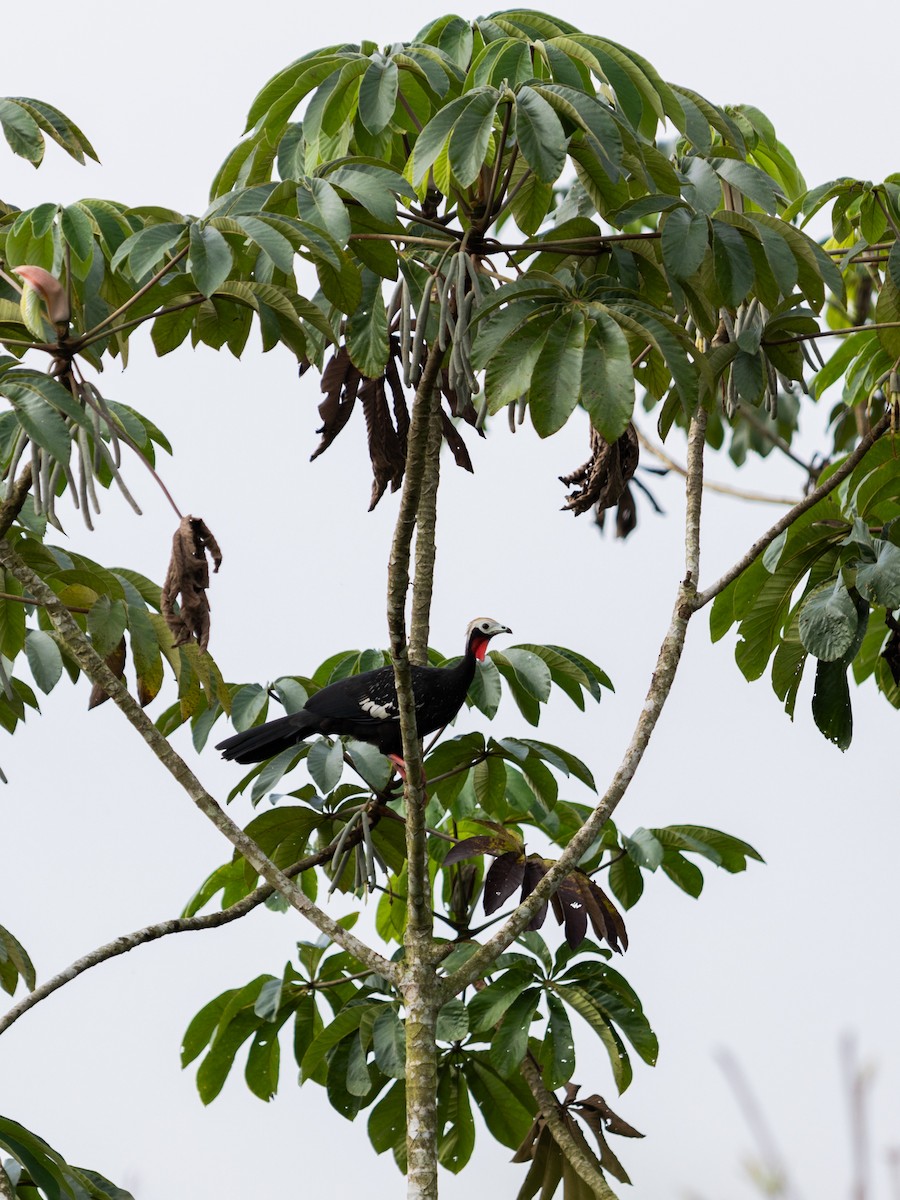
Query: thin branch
36	603
708	485
89	335
819	493
809	337
657	694
98	672
580	1156
157	312
152	933
752	417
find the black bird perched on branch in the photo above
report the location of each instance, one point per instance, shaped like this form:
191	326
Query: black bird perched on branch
365	706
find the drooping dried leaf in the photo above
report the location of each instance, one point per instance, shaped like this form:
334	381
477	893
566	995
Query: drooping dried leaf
605	918
457	446
535	870
386	451
601	1119
188	577
503	878
570	910
401	411
340	383
550	1165
116	663
602	481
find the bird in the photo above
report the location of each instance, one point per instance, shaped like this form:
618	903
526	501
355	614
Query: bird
365	706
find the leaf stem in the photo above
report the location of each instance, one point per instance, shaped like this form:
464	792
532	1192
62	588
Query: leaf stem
89	335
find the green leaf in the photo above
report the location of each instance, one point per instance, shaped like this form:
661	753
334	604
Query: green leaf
683	873
510	1042
389	1043
506	1105
487	1007
831	707
879	581
106	624
556	379
750	181
732	263
21	131
319	204
378	95
144	249
579	998
367	329
541	138
531	671
644	848
210	259
452	1021
248	702
14	963
44	659
829	621
42	423
684	240
471	135
607	382
558	1051
626	881
387	1122
346	1022
326	763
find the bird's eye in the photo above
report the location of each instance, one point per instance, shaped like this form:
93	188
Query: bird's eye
485	625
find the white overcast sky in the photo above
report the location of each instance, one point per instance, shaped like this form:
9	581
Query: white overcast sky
774	965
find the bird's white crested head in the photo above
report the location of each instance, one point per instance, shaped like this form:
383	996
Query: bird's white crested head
480	632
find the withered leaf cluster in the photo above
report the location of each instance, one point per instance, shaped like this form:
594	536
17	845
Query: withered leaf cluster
188	578
603	481
577	901
387	424
550	1166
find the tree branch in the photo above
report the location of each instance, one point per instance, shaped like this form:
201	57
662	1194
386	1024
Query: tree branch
846	468
584	1162
657	694
152	933
98	672
708	486
426	520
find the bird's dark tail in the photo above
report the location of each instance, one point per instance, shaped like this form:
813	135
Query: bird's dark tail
265	741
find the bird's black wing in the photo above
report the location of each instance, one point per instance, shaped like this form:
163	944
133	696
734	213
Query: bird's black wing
370	698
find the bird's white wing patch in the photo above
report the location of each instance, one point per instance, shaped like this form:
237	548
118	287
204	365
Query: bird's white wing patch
381	712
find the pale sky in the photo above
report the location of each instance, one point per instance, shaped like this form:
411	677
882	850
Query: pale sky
774	965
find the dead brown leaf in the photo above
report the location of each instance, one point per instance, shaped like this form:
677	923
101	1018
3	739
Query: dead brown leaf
188	577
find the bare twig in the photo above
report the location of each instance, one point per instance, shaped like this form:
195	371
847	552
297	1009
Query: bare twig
708	485
824	489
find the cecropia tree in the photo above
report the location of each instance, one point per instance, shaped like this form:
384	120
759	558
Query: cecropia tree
499	220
